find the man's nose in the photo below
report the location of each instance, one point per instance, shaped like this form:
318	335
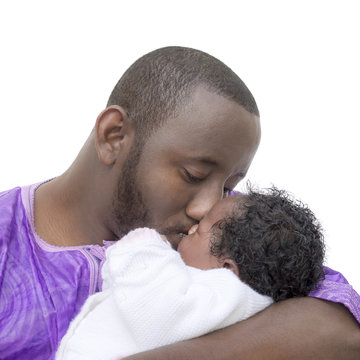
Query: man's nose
201	204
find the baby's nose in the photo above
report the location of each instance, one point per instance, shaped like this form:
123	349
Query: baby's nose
193	229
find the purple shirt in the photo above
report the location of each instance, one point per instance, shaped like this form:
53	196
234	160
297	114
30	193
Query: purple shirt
42	287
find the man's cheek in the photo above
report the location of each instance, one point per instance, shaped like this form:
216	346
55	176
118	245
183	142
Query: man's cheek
164	198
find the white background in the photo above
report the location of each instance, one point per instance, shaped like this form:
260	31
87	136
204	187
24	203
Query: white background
60	60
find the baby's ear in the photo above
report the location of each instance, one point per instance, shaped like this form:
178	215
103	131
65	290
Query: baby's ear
230	264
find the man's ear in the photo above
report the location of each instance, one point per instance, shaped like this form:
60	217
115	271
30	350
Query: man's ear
113	134
230	264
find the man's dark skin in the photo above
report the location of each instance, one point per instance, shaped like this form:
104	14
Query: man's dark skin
183	170
271	335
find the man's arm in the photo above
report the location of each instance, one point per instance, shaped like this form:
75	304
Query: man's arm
302	328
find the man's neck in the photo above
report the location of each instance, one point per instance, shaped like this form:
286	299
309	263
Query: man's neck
65	216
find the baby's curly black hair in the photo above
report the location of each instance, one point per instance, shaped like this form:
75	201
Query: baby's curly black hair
276	242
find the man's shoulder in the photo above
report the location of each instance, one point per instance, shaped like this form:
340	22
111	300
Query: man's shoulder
12	214
10	203
16	205
335	288
8	194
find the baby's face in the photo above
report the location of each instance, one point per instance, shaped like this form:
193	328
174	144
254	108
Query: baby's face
195	247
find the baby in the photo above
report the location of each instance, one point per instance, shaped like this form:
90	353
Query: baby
248	251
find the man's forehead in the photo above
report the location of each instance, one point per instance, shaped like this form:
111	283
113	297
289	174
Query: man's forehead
202	100
210	119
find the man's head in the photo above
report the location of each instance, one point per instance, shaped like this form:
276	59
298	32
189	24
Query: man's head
180	129
161	82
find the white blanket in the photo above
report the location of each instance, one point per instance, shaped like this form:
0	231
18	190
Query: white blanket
151	298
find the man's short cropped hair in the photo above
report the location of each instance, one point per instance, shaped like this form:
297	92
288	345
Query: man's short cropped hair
158	83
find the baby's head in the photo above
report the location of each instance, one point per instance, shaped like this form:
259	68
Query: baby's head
272	242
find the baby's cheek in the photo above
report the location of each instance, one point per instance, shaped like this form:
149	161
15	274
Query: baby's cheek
183	249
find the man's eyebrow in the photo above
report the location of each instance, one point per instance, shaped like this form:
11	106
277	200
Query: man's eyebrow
205	160
211	161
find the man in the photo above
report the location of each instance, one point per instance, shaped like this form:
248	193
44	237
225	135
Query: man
180	131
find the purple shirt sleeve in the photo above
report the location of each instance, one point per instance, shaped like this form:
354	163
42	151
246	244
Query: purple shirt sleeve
335	288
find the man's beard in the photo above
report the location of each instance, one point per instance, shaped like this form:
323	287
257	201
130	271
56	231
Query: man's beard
129	210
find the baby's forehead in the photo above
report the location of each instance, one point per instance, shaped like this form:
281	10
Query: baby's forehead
234	200
228	205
